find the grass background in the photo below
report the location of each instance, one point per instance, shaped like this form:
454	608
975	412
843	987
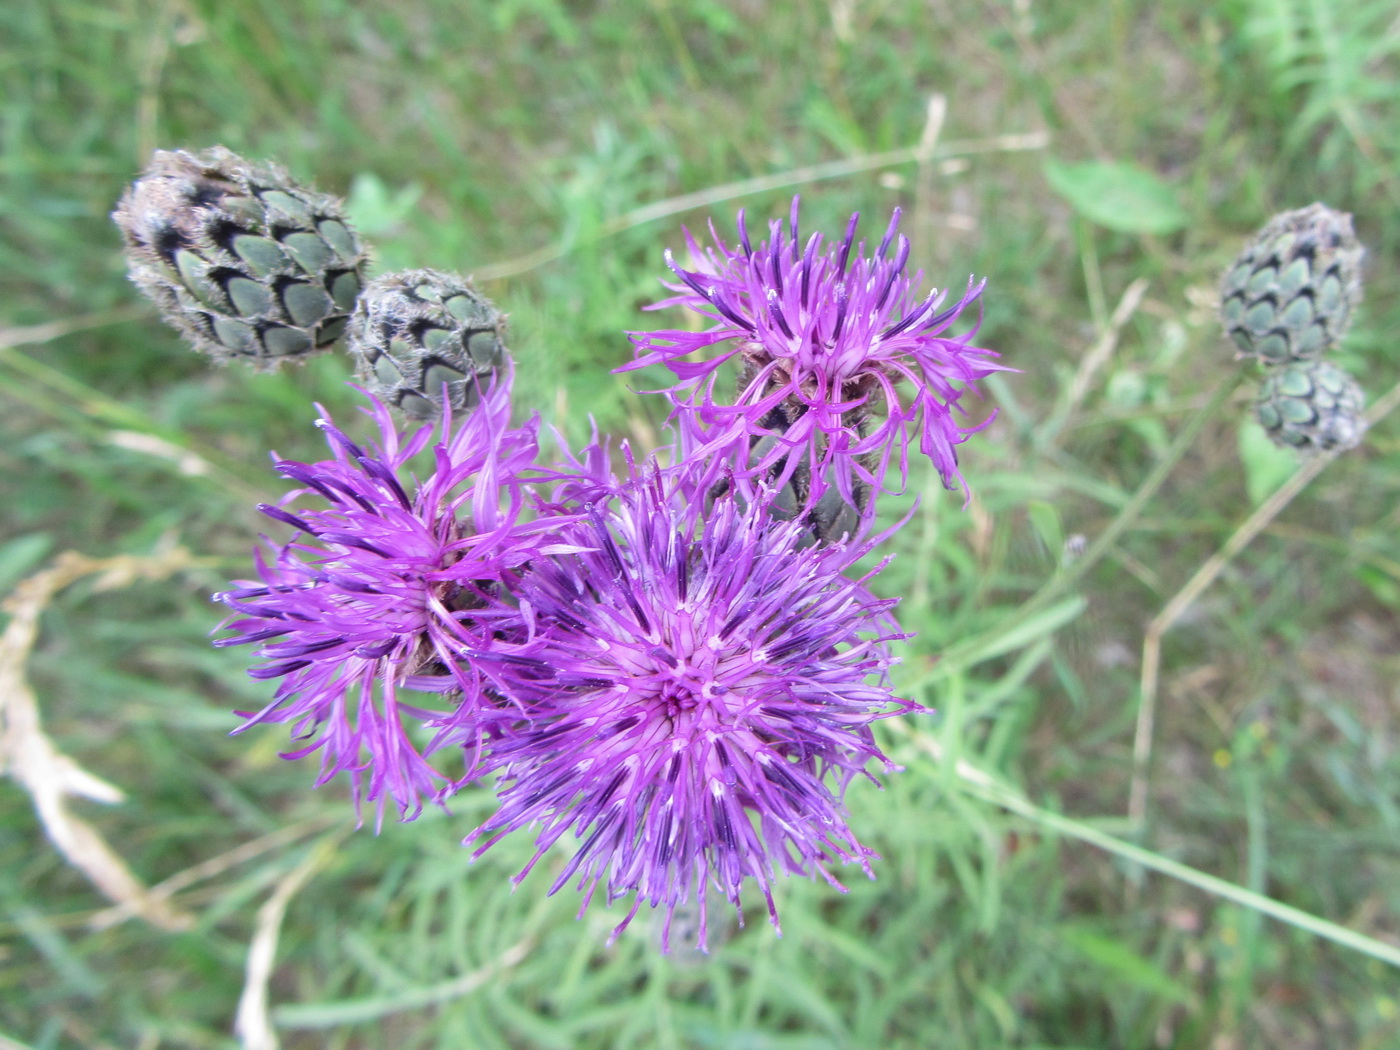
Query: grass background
467	134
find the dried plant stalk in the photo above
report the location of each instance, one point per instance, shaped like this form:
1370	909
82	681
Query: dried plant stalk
253	1022
30	757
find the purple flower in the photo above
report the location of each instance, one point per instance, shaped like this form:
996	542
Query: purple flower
822	341
380	591
696	691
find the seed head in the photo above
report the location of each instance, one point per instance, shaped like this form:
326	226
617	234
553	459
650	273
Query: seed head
1311	407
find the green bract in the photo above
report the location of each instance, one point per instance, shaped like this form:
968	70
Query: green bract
1312	407
243	261
1291	293
419	333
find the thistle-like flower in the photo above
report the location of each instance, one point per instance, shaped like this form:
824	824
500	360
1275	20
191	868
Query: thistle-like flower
696	691
823	339
381	593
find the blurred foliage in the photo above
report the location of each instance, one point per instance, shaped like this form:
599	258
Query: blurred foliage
467	134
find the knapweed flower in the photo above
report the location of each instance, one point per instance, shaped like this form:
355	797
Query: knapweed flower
697	690
823	339
377	594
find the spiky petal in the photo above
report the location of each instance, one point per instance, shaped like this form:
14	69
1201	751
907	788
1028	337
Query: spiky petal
380	594
697	693
826	338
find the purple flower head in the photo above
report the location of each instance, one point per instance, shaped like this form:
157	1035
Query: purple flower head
377	594
696	693
822	340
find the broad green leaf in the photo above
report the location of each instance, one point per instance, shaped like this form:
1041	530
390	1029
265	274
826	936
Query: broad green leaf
1120	196
1266	466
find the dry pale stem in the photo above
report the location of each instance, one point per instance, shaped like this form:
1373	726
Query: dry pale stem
208	869
1184	598
253	1022
43	333
1094	360
30	757
935	115
835	169
325	1015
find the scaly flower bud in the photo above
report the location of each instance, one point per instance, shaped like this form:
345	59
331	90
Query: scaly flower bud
1291	293
240	259
417	333
1311	407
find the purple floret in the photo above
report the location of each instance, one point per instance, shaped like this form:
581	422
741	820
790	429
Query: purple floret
382	591
822	339
679	668
696	694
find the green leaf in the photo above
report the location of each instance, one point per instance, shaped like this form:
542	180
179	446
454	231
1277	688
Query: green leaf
20	555
1120	196
1125	964
1039	626
376	209
69	966
985	785
1266	466
1046	520
1379	583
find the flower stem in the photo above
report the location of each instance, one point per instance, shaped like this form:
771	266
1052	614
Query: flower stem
1057	584
982	784
1163	622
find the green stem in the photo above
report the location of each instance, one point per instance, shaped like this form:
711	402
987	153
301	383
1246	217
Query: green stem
1103	543
985	786
96	405
1295	917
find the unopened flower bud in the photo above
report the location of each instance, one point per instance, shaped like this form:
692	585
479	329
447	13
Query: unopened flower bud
242	260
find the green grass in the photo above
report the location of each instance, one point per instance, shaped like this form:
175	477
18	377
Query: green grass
470	134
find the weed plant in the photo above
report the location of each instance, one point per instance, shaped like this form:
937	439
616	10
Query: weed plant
518	140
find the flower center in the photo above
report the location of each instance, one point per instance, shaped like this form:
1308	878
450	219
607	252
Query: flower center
688	684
